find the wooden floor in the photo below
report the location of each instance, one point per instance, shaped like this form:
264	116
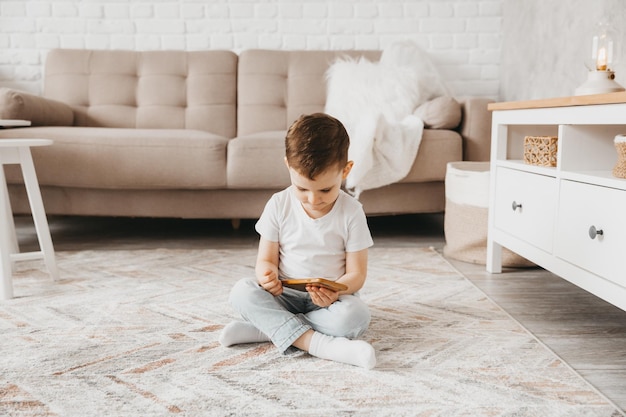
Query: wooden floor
588	333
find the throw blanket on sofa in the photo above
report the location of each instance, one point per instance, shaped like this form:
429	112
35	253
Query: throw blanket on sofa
375	101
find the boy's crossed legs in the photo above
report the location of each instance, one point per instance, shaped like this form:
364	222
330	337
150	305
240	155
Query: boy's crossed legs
338	349
274	314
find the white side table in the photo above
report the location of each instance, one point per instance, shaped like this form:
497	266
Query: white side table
17	151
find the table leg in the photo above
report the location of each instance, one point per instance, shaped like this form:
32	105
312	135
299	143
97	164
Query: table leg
494	257
6	223
39	215
11	233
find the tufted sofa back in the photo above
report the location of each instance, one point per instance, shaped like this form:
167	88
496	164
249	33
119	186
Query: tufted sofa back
150	89
276	87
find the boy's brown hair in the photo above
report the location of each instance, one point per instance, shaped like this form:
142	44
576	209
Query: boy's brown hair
315	143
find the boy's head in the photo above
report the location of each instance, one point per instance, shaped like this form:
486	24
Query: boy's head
316	143
317	158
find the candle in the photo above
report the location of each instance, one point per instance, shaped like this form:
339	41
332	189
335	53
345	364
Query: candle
601	60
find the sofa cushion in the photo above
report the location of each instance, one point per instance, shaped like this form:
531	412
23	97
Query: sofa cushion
276	87
146	89
114	158
257	161
39	110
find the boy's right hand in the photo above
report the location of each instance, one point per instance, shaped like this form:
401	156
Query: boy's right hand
270	283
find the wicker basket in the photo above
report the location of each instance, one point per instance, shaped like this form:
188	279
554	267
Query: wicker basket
540	150
467	210
619	170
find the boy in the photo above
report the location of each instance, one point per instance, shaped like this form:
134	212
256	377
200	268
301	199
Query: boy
311	229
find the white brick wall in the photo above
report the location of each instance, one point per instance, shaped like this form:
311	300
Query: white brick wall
462	36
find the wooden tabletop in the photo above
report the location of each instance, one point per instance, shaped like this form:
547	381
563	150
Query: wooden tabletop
14	122
17	143
609	98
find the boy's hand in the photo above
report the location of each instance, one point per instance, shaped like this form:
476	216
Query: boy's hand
322	297
270	283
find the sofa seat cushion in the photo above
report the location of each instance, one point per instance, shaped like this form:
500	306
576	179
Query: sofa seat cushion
257	161
119	158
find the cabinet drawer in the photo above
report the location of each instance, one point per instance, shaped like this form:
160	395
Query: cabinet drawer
581	207
524	206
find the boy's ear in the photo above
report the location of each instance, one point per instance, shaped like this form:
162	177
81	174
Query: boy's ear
347	169
286	163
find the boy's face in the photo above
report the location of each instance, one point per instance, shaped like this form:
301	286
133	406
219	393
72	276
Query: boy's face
319	195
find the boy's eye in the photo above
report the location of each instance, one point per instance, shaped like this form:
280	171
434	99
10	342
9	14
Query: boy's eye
304	190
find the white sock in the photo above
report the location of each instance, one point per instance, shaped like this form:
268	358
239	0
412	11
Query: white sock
341	349
238	332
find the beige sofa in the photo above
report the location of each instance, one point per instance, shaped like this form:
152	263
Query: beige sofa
198	134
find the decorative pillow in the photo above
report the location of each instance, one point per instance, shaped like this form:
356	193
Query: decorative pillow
39	110
440	113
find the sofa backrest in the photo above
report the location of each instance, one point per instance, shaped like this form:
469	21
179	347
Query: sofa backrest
276	87
147	89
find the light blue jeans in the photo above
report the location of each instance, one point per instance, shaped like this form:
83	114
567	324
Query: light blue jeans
286	317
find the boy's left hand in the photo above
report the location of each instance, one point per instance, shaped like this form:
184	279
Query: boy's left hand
322	297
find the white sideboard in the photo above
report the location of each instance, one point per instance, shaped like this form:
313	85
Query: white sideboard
569	219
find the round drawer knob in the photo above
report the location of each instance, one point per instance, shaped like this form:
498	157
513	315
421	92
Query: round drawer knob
515	205
593	232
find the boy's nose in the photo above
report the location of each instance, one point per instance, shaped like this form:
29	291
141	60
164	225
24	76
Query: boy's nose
314	198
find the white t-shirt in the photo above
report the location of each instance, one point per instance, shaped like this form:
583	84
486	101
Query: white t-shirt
314	248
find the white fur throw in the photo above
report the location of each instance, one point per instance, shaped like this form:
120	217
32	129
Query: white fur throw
375	102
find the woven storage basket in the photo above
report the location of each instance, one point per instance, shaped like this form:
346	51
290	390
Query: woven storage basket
619	170
467	211
540	150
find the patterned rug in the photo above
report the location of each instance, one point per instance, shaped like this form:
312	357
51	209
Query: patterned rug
134	333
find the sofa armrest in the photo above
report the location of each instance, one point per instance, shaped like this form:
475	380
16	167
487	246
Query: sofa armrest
476	129
39	110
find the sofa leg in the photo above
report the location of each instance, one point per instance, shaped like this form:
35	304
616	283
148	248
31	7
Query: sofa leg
236	223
